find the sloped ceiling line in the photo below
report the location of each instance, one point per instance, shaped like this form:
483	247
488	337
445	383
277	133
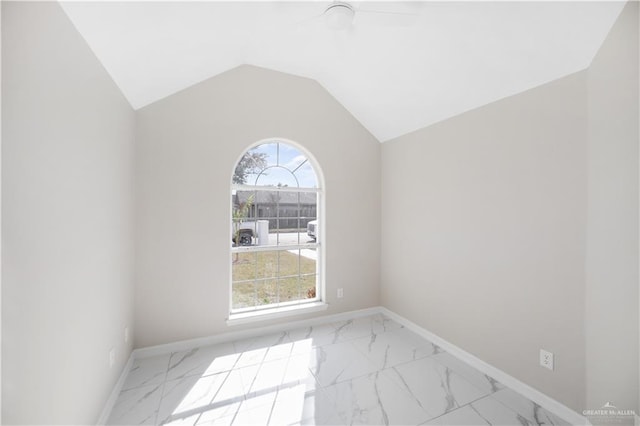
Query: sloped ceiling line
452	57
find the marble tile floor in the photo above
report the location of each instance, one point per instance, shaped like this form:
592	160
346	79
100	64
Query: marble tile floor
368	370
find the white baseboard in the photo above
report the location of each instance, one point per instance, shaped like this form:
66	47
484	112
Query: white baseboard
113	396
536	396
522	388
185	345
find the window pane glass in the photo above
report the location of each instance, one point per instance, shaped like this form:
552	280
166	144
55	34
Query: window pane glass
290	289
271	264
289	263
308	286
276	215
243	295
306	176
243	266
273	163
252	163
272	276
270	150
277	177
308	261
267	292
267	264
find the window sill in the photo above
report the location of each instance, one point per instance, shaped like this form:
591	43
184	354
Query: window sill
267	314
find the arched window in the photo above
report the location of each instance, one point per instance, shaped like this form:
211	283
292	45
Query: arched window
275	229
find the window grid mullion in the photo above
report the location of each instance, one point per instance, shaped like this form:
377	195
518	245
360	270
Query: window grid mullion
255	280
285	209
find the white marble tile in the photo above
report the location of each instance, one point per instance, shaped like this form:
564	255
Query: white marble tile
251	357
465	416
223	421
478	379
221	415
187	421
137	406
364	326
495	413
189	395
393	347
222	363
426	351
333	420
298	373
237	385
255	416
375	399
269	377
289	406
261	342
423	347
319	410
296	405
367	371
256	410
147	371
310	337
282	350
437	388
265	398
382	323
531	411
202	361
217	421
335	363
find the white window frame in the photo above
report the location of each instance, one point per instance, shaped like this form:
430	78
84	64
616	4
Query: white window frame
301	306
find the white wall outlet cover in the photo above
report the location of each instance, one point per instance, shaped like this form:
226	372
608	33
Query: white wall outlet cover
546	359
340	293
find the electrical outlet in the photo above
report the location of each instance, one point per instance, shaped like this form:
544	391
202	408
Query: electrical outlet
340	293
112	357
126	334
546	359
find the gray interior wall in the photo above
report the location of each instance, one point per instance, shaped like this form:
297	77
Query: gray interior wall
489	230
483	233
187	147
67	292
612	220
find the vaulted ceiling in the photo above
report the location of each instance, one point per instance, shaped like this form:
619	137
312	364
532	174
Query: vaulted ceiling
403	67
